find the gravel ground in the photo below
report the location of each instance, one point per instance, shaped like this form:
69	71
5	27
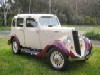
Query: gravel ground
96	42
4	34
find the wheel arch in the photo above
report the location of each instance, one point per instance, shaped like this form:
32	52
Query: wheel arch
16	38
88	44
57	44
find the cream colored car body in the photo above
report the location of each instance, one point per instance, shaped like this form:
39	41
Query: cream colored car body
40	36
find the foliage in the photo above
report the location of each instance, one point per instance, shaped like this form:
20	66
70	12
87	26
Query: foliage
5	28
9	19
69	11
90	21
1	20
78	20
62	18
93	35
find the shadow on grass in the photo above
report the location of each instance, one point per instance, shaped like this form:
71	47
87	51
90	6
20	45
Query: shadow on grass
72	65
33	58
76	65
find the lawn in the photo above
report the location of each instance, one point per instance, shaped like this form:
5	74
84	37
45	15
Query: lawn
25	64
5	28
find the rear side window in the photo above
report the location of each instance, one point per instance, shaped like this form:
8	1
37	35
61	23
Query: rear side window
13	23
30	22
20	22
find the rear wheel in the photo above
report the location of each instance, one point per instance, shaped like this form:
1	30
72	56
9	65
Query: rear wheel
57	59
15	47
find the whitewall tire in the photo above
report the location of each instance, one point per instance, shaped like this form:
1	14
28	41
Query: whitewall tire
15	47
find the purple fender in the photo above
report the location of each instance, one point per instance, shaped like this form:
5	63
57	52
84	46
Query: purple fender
11	37
60	45
88	45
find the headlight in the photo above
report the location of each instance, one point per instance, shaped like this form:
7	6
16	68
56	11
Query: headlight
69	40
81	37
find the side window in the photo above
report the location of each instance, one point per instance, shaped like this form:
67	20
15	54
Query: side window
13	23
20	22
30	22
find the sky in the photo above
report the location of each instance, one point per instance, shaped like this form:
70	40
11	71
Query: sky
2	1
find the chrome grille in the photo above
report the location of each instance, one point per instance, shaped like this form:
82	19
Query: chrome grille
76	42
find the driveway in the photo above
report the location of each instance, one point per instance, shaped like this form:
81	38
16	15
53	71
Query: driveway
4	34
96	42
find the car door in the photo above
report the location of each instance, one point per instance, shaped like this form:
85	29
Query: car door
32	34
18	29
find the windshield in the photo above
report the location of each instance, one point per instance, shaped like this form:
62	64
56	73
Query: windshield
49	21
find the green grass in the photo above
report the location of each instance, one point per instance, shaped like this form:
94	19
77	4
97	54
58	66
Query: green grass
92	35
5	28
89	30
25	64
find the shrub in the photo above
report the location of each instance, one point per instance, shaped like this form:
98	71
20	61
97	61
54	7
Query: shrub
93	35
62	18
89	20
78	20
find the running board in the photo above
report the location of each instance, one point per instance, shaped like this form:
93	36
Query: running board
30	51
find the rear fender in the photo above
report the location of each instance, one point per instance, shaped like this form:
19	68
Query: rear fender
13	37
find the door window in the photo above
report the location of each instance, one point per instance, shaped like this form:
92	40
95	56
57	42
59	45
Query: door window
30	22
20	22
13	23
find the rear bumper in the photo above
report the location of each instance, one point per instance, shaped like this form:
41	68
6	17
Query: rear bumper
82	58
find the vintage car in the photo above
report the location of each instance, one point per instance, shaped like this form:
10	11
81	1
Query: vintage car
42	35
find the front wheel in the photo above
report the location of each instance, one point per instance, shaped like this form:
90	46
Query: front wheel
15	47
57	59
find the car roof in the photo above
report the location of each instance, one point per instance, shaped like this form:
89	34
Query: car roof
33	15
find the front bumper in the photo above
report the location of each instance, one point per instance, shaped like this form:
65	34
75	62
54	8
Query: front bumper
82	58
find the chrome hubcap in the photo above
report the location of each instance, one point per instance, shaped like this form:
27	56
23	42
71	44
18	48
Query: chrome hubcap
57	59
15	47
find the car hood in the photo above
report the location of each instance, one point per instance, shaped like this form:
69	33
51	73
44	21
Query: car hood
59	29
56	33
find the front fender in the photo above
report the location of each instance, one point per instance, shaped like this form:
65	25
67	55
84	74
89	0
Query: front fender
59	44
88	44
